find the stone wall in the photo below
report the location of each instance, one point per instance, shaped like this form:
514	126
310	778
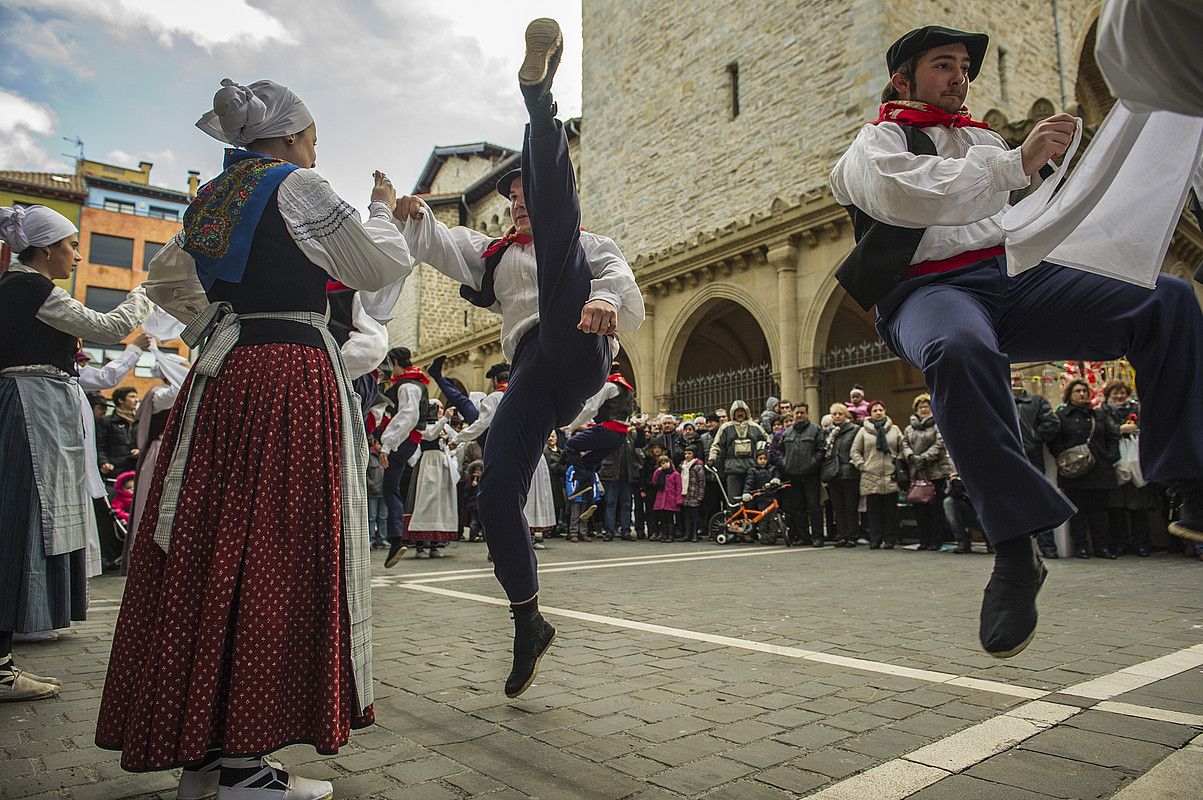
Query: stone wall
458	172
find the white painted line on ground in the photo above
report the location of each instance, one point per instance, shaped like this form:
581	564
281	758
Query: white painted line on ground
489	570
1127	679
960	751
1146	712
862	664
614	565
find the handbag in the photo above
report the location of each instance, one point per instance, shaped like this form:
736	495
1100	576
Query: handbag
1076	461
921	493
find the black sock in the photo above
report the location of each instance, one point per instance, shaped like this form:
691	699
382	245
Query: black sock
525	610
1020	546
542	112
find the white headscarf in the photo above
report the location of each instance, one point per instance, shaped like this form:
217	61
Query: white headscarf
33	226
242	114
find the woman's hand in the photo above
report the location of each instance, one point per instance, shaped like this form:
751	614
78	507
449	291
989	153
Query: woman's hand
382	190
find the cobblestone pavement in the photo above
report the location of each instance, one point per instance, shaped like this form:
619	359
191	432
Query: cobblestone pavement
701	671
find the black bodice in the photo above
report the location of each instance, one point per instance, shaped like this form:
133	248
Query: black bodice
26	339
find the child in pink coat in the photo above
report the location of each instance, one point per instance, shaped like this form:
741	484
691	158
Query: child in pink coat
667	481
123	499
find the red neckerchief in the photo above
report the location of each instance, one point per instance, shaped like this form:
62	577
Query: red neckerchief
334	286
501	386
925	115
621	381
410	374
513	237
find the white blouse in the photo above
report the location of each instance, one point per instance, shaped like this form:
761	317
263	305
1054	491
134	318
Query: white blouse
487	408
95	379
959	195
63	312
371	256
456	252
608	392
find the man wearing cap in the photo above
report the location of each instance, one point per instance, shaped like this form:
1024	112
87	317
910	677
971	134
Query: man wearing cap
926	186
562	294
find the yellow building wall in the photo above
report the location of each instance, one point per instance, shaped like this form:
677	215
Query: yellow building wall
67	208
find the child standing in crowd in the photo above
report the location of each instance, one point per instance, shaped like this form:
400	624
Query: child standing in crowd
471	486
377	510
761	473
693	491
651	461
123	498
578	502
667	481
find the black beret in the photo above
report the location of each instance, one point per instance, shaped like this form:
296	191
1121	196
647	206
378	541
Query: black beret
503	185
925	38
500	368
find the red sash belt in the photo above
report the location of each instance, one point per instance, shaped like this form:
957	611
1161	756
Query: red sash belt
616	426
955	262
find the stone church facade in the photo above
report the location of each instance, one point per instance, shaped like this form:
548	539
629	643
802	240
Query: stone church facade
704	148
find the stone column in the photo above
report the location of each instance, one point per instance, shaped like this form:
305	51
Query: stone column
785	258
476	368
810	391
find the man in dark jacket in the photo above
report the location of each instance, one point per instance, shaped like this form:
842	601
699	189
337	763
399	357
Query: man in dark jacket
116	442
1038	425
799	451
618	471
669	439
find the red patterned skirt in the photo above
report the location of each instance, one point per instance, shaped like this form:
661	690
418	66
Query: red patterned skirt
240	637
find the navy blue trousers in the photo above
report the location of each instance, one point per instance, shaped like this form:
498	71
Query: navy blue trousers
394	493
462	403
556	367
964	330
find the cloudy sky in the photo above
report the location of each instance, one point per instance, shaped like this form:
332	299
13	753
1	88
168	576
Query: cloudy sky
386	80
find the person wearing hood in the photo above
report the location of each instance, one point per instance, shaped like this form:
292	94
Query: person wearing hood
927	459
734	448
875	452
841	476
857	405
771	413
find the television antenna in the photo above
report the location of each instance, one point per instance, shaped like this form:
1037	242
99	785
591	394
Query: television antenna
78	143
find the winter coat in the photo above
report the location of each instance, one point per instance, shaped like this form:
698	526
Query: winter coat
924	450
876	468
672	444
697	483
837	453
1104	445
625	462
668	499
769	416
1128	495
735	443
799	449
375	476
759	477
123	499
858	411
1038	425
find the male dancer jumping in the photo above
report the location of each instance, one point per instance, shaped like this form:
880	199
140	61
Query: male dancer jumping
562	294
927	186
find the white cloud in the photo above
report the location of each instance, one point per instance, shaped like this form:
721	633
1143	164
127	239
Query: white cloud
21	120
210	24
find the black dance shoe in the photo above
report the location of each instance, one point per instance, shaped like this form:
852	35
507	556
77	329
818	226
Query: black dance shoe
544	46
395	551
532	636
1008	620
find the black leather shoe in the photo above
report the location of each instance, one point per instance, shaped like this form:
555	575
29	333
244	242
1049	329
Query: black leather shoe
1106	552
1081	552
544	45
532	636
1141	552
961	549
395	551
1008	619
1048	552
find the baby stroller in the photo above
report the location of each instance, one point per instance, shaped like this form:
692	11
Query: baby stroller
751	517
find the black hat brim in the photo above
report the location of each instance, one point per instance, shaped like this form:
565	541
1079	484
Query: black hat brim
506	180
923	39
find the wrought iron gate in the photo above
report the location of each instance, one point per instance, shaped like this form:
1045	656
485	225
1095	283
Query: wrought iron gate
754	385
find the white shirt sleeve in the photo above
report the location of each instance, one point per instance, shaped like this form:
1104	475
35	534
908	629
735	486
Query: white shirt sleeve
95	379
487	408
368	256
367	343
593	404
409	400
63	312
455	252
172	284
433	430
613	280
162	398
889	183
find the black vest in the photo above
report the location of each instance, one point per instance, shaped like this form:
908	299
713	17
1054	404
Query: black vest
394	389
883	252
618	408
278	277
26	339
485	296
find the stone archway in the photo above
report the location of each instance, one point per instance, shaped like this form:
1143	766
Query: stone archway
1090	90
721	354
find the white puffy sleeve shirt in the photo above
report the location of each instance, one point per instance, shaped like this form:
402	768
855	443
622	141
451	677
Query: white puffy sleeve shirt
456	252
959	196
63	312
487	408
371	256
